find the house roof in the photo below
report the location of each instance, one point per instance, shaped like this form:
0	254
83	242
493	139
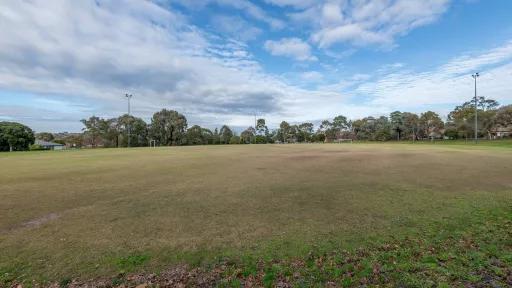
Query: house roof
502	129
46	143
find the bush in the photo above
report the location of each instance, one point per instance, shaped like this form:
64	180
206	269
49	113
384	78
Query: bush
234	140
60	141
451	133
15	136
318	137
261	139
36	147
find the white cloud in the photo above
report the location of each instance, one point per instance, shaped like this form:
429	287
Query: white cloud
290	47
348	33
292	3
346	85
367	22
247	7
79	58
331	13
449	84
471	62
235	27
254	11
313	76
83	52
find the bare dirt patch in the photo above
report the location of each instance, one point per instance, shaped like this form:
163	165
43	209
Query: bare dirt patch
34	223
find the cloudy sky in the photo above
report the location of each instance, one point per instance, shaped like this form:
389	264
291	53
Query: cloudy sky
222	61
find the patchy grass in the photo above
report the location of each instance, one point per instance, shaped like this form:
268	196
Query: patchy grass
469	143
256	210
131	262
472	252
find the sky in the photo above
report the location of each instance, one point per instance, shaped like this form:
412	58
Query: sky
224	61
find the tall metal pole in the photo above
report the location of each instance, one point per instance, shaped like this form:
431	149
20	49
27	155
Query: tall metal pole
255	125
475	76
129	97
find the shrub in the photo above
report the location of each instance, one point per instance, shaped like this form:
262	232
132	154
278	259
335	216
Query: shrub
234	140
36	147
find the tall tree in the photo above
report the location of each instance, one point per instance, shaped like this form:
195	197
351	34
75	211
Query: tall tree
334	129
93	129
411	124
168	127
397	123
487	121
370	128
305	132
73	140
109	131
293	132
261	127
262	133
197	135
283	132
45	136
461	121
207	135
138	131
234	140
216	136
359	127
364	129
327	128
194	135
487	103
382	129
340	123
225	134
431	124
270	137
248	136
15	136
504	116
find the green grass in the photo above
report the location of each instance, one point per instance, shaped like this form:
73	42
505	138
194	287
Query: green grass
95	213
468	144
505	143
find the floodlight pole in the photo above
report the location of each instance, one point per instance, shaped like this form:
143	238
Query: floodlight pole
475	76
255	121
255	125
129	97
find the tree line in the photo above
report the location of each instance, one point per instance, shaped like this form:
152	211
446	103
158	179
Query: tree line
170	128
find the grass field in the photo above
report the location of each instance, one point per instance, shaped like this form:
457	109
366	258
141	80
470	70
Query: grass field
258	210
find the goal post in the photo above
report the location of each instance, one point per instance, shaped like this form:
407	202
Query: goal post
339	141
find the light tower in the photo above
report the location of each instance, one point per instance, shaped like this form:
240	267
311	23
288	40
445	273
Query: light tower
128	97
475	76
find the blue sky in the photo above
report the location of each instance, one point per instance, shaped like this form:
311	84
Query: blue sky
222	61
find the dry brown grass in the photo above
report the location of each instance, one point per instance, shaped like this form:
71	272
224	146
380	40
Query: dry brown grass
168	202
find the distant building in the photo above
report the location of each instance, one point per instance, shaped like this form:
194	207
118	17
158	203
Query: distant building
49	145
500	132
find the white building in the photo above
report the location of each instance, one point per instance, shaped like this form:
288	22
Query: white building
49	145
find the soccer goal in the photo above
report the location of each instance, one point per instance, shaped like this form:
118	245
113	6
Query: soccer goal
343	141
152	143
